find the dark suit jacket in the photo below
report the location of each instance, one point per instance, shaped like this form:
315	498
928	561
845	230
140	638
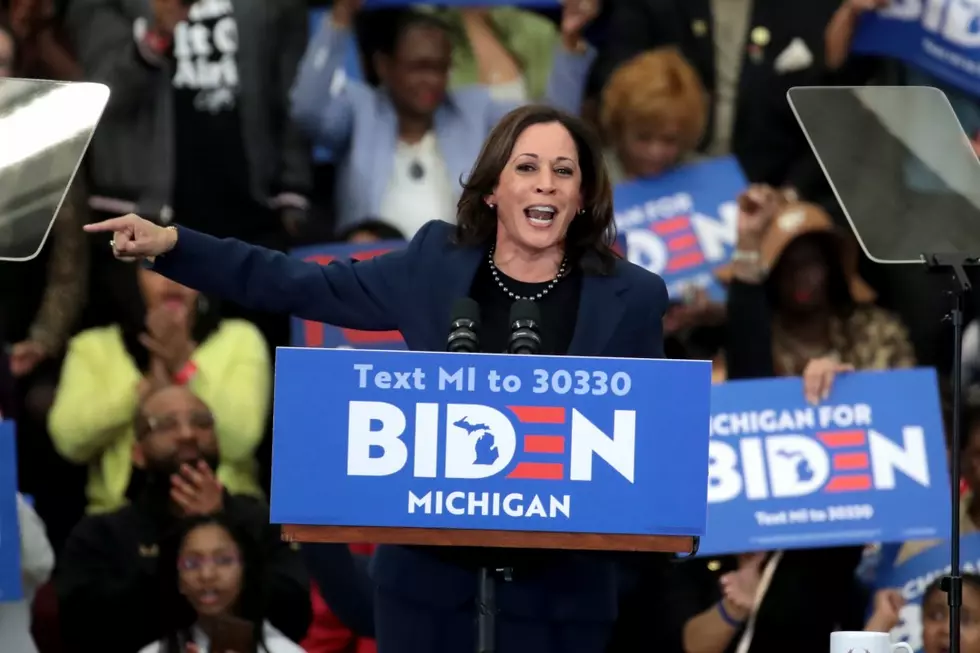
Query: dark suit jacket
413	291
766	139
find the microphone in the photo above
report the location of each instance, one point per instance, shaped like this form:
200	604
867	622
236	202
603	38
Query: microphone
525	324
464	327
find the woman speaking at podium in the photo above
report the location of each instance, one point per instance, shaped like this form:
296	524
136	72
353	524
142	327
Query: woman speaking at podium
535	221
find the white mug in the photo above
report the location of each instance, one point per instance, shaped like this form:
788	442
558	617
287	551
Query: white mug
865	642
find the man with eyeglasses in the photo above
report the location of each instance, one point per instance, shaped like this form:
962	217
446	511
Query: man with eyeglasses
109	592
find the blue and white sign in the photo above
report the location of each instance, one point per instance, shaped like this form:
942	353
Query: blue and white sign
941	37
682	225
914	575
861	467
10	584
490	442
314	334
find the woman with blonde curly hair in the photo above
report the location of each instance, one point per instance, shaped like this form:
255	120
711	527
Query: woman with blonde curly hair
653	114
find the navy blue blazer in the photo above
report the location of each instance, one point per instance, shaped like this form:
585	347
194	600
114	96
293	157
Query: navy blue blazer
413	291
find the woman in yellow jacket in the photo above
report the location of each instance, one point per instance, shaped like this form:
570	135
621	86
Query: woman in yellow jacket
225	362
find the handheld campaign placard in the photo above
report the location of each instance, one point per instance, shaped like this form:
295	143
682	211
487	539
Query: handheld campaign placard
914	575
863	467
681	225
10	584
938	36
485	442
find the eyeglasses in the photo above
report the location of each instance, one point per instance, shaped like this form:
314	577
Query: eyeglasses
198	562
169	423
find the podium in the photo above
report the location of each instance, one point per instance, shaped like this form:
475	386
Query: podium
440	449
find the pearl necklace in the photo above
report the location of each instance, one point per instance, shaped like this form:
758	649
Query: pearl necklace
496	277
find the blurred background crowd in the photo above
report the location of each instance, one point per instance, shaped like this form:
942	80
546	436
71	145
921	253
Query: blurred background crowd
215	111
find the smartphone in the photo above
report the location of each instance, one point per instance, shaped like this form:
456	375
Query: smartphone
233	635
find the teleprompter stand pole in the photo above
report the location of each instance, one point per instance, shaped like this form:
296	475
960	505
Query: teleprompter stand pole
955	265
486	612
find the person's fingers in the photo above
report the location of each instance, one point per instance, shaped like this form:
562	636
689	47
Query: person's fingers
112	224
206	473
196	479
811	385
182	499
152	345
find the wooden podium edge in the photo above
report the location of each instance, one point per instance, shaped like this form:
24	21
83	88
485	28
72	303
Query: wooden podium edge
681	544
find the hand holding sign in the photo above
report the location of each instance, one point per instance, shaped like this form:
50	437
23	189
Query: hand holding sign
888	604
343	12
859	7
575	16
818	378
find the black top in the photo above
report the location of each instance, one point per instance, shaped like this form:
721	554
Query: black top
559	309
212	189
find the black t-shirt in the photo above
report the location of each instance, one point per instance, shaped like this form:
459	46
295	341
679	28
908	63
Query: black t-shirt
212	190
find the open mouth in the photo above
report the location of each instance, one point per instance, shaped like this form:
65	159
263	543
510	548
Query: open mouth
209	598
541	215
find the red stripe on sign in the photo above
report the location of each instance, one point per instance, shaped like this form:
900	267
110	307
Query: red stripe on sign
540	471
678	243
835	439
539	414
672	225
851	461
849	483
544	444
685	261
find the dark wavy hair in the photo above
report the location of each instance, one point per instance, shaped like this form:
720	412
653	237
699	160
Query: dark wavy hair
590	237
178	616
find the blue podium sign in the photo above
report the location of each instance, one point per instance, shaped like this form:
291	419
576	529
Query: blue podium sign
10	584
861	467
914	575
490	442
681	225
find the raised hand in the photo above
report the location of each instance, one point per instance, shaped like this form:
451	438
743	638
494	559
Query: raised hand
818	378
134	238
575	16
888	604
757	206
738	587
864	6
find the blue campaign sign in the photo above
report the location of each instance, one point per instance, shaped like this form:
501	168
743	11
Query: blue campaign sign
941	37
490	442
10	585
351	70
315	334
681	225
914	575
861	467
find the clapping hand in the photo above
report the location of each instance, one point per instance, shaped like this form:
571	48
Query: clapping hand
168	337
